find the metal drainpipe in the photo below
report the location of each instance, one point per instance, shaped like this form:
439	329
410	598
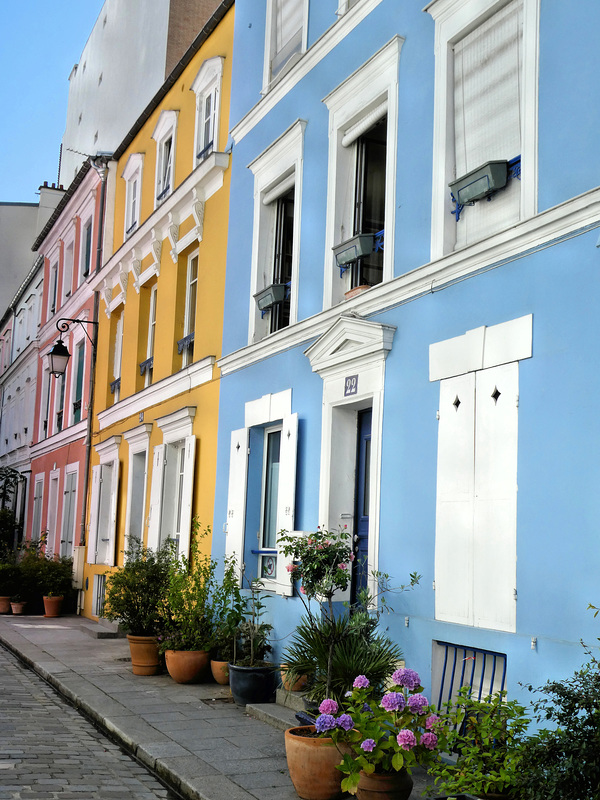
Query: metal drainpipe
100	165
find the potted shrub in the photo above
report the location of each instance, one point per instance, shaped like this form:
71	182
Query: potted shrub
135	598
9	581
187	634
487	737
228	613
251	677
55	583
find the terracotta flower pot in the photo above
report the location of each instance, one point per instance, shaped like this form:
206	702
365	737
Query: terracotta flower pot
144	654
53	605
298	686
312	764
386	786
187	666
4	604
18	607
220	672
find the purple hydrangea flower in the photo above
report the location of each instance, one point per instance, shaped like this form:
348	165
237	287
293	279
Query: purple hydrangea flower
406	739
406	677
348	694
393	701
328	707
361	682
368	745
325	723
417	704
429	740
345	722
431	721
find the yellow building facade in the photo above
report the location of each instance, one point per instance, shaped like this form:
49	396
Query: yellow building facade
161	290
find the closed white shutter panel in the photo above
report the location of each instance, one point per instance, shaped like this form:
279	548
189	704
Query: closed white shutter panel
156	496
118	348
487	114
187	495
106	514
94	501
68	527
113	506
286	498
236	497
288	31
495	512
454	511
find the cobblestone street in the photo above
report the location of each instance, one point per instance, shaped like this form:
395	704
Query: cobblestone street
48	750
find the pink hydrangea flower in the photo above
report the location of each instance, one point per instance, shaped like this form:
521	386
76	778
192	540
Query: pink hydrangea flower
429	740
431	721
328	707
417	704
361	682
393	701
406	739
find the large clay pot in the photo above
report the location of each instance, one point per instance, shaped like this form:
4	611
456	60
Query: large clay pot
386	786
18	607
53	605
187	666
312	764
298	686
4	604
251	684
220	672
144	654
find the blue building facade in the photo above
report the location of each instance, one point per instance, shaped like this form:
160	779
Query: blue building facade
410	323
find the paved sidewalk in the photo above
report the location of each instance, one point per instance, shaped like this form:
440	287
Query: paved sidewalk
192	736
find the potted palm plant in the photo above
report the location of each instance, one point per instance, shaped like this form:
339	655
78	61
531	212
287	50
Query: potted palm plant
135	598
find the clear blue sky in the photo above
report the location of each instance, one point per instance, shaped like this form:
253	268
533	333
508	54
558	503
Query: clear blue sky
41	41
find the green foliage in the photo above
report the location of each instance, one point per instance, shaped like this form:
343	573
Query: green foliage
9	579
252	642
332	652
9	480
187	609
135	593
487	736
40	575
565	761
228	611
322	560
7	534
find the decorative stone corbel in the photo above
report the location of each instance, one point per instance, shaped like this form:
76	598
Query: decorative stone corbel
122	278
106	293
173	234
136	268
198	213
156	245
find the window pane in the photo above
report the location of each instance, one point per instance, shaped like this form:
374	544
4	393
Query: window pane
370	200
271	490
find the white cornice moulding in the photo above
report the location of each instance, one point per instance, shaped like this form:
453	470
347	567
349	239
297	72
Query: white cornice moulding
71	434
321	48
564	220
195	375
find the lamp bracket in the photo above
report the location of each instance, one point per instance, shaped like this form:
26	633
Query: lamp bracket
63	325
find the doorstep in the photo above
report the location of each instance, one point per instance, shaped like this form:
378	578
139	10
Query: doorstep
274	714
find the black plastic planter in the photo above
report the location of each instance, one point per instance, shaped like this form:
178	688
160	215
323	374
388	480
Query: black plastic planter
252	684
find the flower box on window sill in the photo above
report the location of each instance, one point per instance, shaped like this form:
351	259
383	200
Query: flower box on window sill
481	182
186	343
270	296
359	245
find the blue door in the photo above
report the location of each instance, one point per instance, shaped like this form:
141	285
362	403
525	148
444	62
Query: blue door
362	499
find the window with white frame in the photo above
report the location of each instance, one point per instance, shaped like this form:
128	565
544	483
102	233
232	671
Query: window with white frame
68	261
132	175
276	237
476	510
185	346
38	498
285	36
262	489
164	136
485	118
147	366
67	536
103	503
85	261
43	431
53	289
59	403
115	386
362	176
207	88
138	439
172	483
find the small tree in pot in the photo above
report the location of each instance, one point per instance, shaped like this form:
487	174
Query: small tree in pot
250	675
228	612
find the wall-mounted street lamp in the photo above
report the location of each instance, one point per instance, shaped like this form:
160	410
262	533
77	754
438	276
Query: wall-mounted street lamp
59	355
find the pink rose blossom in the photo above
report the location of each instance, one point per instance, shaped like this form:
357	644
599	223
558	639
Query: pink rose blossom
351	557
342	566
303	590
291	567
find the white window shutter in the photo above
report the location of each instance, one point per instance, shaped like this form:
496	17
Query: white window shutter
187	495
454	509
156	497
112	522
236	498
94	501
69	508
495	511
286	499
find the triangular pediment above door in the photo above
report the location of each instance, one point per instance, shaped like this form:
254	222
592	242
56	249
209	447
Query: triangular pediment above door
350	338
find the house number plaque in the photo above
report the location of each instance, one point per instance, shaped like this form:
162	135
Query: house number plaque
350	385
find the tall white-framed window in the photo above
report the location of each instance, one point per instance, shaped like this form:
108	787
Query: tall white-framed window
43	430
164	135
485	109
52	545
361	184
85	253
67	537
68	263
103	503
147	366
138	440
59	403
115	386
77	378
185	345
476	509
38	499
207	88
132	175
285	37
53	289
172	483
262	489
276	234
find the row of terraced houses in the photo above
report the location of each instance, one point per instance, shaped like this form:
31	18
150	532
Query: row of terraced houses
336	269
